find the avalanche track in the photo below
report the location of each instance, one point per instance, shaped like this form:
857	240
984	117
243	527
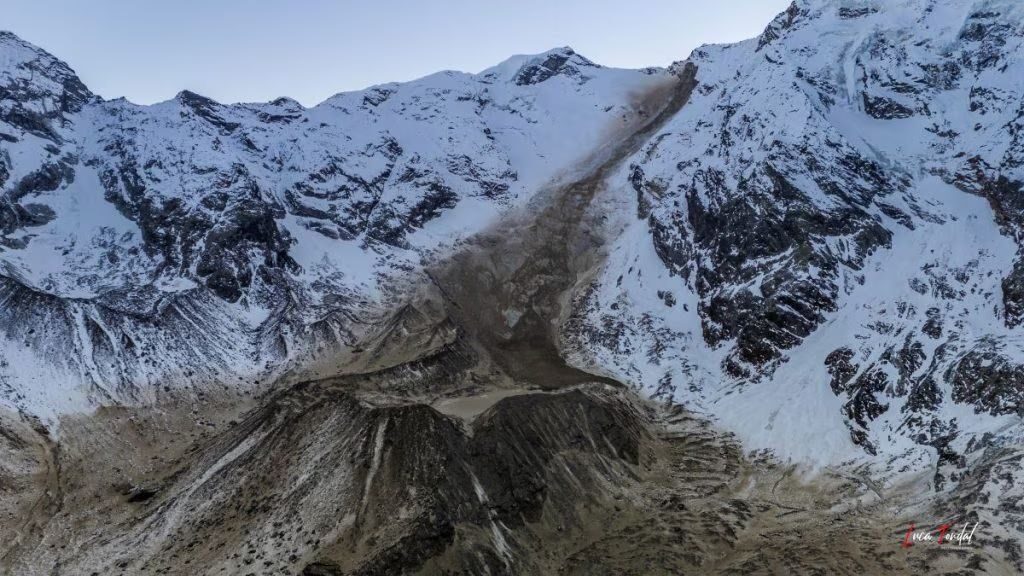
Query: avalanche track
455	440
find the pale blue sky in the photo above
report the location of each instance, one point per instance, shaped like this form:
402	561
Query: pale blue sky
257	50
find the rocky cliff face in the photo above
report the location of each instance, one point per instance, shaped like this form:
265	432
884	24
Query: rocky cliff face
833	216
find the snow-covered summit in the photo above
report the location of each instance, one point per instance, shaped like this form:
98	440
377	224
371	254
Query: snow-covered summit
36	88
536	68
21	60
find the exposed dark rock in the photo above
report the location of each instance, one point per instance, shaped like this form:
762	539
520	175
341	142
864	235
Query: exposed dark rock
848	13
769	219
864	404
224	262
841	369
988	33
989	380
562	62
885	108
206	109
907	361
777	28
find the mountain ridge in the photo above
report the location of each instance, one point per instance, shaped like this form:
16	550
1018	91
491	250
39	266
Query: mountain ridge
289	217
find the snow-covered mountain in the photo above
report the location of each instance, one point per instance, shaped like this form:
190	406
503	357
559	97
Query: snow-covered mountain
825	249
820	248
193	244
831	223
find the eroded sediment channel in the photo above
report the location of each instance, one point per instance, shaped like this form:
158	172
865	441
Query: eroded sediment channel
459	442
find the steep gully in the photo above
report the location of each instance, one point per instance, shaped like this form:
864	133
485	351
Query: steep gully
455	440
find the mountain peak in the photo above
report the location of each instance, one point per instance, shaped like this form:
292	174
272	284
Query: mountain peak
525	69
37	80
16	52
6	36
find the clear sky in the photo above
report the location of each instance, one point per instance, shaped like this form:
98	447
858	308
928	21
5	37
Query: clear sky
257	50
